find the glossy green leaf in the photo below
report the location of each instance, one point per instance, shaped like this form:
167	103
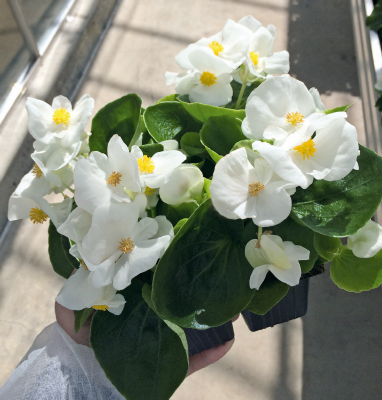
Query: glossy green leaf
175	213
299	235
337	109
220	134
356	274
62	261
150	149
169	120
191	144
203	278
120	117
236	86
342	207
141	355
327	246
202	112
374	20
170	97
207	184
270	293
80	317
179	225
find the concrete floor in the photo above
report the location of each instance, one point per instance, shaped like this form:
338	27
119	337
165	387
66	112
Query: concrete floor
335	351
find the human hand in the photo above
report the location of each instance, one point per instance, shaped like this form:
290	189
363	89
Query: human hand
65	319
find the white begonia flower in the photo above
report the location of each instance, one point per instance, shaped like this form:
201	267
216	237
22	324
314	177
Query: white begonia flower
53	157
239	190
183	185
209	82
270	253
281	105
78	293
164	228
118	247
101	177
260	59
229	45
47	123
154	171
367	242
330	155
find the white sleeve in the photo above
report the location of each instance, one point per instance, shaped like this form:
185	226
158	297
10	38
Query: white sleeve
57	368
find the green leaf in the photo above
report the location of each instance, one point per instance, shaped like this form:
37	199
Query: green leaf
247	144
374	20
327	246
179	225
150	149
170	97
191	144
342	207
220	134
169	120
62	261
203	278
270	293
206	186
204	111
141	355
337	109
356	274
299	235
236	87
198	161
175	213
120	117
80	317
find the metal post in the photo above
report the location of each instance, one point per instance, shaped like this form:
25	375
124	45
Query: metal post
23	25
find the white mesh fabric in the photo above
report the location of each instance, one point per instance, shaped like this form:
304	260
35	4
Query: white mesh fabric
57	368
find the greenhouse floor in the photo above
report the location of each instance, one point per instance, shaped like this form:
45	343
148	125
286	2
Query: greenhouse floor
335	351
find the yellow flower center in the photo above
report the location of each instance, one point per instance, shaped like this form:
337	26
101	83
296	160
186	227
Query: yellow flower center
61	116
208	78
84	265
114	178
254	57
294	118
37	171
306	149
126	245
37	216
149	191
101	307
254	188
216	47
146	164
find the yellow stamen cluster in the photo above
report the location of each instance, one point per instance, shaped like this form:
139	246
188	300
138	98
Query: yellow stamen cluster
126	245
36	171
254	57
61	116
254	188
146	164
149	191
101	307
294	118
306	149
216	47
84	265
208	78
114	178
37	216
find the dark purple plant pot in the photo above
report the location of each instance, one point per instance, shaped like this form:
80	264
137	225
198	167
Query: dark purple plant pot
199	341
293	305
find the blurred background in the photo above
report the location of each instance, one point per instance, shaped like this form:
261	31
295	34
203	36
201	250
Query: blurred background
108	48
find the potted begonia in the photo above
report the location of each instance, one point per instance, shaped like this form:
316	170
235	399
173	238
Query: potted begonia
212	202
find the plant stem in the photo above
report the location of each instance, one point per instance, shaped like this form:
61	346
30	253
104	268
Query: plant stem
259	232
68	187
153	212
241	94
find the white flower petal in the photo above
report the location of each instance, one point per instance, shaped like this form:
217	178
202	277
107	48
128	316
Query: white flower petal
277	63
77	225
289	276
367	242
258	276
